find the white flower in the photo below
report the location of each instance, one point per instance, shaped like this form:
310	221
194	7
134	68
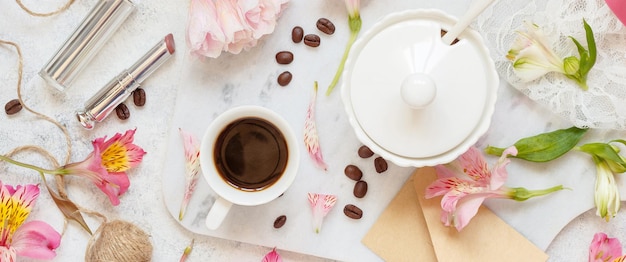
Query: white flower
606	196
531	55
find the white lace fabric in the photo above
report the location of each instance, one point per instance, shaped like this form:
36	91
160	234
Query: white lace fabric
603	105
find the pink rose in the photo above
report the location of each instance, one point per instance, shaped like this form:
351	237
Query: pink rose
230	25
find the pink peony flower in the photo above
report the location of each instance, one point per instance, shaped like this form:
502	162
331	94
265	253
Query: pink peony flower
230	25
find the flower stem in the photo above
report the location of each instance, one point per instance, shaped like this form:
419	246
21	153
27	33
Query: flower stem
36	168
522	194
353	35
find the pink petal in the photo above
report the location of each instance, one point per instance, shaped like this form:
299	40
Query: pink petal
272	256
192	167
7	254
499	173
36	239
114	185
444	172
473	164
25	196
604	248
321	204
440	187
133	152
466	209
311	141
204	34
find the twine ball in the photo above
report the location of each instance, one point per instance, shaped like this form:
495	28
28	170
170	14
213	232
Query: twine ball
119	241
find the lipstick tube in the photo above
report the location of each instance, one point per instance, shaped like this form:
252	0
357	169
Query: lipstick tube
87	39
117	90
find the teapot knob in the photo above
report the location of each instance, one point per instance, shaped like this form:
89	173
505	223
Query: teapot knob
418	90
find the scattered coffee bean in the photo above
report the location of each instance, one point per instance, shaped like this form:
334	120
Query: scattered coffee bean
353	172
312	40
280	221
284	57
122	111
360	189
12	107
325	26
365	152
380	164
296	34
284	78
353	211
139	97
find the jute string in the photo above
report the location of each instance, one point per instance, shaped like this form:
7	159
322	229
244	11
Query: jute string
61	9
113	241
60	181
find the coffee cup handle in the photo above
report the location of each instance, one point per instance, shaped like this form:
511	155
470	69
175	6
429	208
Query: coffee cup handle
217	213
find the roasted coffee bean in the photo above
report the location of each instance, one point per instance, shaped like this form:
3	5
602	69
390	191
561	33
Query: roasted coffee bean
12	107
296	34
325	26
380	164
353	172
280	221
284	57
365	152
284	78
312	40
122	111
360	189
353	211
139	97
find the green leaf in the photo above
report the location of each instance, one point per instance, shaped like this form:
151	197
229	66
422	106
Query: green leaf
544	147
591	44
608	153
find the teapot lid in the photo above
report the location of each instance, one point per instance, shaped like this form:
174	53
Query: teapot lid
413	97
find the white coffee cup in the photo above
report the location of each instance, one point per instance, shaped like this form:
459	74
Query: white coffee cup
228	194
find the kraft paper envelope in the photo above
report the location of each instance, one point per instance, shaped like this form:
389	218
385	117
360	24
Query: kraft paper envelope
410	229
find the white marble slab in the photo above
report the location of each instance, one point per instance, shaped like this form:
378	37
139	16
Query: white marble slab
205	89
211	87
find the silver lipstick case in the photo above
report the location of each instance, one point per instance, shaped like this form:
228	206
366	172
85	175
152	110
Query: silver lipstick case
120	88
87	39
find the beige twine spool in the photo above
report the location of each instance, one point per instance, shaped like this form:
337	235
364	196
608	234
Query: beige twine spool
119	241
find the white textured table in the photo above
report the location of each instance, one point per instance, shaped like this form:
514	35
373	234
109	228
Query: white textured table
247	78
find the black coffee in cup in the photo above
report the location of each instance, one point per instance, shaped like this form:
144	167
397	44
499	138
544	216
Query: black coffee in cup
250	154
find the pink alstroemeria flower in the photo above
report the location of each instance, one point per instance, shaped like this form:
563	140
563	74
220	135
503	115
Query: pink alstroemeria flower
192	167
321	204
272	256
311	140
34	239
467	182
106	166
604	248
231	26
